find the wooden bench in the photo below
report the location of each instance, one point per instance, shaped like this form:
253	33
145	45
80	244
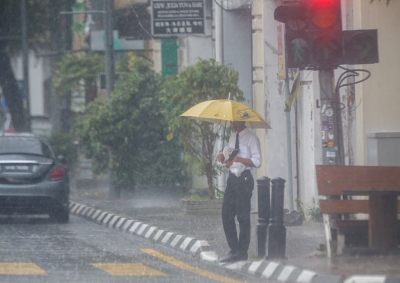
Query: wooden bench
339	184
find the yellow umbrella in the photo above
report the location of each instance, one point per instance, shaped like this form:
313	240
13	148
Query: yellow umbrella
221	111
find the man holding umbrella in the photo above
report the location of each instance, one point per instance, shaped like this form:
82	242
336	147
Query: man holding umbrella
239	189
246	153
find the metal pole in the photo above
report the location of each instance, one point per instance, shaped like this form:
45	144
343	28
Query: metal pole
276	229
109	6
109	49
332	141
264	200
221	181
289	147
25	59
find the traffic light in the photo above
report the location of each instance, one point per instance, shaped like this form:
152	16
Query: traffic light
325	33
360	46
313	37
294	15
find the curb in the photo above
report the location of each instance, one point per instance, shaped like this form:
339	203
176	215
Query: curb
131	226
200	248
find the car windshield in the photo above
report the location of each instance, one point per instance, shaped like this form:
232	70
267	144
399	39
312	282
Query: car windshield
24	145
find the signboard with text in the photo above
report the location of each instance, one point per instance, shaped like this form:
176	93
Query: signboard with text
172	18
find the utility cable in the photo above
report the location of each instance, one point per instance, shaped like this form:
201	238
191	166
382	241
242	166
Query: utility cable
355	72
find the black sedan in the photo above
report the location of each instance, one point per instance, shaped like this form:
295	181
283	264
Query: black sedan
32	179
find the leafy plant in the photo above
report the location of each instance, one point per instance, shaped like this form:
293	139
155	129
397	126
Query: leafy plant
63	144
206	80
132	127
299	208
313	212
78	74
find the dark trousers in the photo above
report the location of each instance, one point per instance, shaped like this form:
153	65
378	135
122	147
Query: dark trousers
236	202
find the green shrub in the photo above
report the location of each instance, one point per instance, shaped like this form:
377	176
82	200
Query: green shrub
63	144
132	127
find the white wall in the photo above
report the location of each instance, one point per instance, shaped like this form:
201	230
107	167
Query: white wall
379	96
36	79
237	47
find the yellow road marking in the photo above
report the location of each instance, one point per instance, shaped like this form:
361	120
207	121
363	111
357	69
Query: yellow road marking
128	269
20	268
187	267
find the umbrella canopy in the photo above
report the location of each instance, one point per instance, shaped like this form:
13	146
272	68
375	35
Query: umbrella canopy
221	111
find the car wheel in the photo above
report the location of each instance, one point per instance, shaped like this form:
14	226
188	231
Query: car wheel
60	215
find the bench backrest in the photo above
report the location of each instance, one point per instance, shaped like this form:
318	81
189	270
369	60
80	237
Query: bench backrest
332	180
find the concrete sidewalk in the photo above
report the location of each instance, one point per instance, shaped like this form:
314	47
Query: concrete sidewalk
162	210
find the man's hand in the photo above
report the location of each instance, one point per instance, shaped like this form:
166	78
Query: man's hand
244	161
221	158
228	164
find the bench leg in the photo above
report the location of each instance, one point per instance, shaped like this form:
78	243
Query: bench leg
340	243
382	222
328	235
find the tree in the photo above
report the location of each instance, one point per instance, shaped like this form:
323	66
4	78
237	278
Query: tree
132	126
77	72
206	80
45	30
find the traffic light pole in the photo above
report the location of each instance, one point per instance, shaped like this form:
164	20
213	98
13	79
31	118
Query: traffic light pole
331	124
114	193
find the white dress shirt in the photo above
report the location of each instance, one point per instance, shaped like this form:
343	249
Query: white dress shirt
249	146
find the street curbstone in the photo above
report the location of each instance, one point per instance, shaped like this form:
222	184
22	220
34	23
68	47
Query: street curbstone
127	225
166	238
159	235
175	240
270	270
84	211
261	269
142	229
322	278
150	232
254	267
101	216
306	276
72	207
135	226
236	265
120	222
199	246
285	273
95	214
209	256
114	220
107	218
365	279
81	207
186	244
89	212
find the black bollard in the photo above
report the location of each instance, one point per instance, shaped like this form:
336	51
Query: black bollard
263	197
276	230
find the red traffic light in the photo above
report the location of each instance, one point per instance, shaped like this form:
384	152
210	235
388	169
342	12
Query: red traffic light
324	13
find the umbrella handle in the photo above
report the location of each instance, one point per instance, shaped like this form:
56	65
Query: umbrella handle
223	139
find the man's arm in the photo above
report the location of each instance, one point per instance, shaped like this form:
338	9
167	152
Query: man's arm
244	161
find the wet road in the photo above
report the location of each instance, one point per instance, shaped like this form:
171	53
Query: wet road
38	250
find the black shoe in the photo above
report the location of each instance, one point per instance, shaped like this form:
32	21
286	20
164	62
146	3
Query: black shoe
234	257
227	259
232	253
240	256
